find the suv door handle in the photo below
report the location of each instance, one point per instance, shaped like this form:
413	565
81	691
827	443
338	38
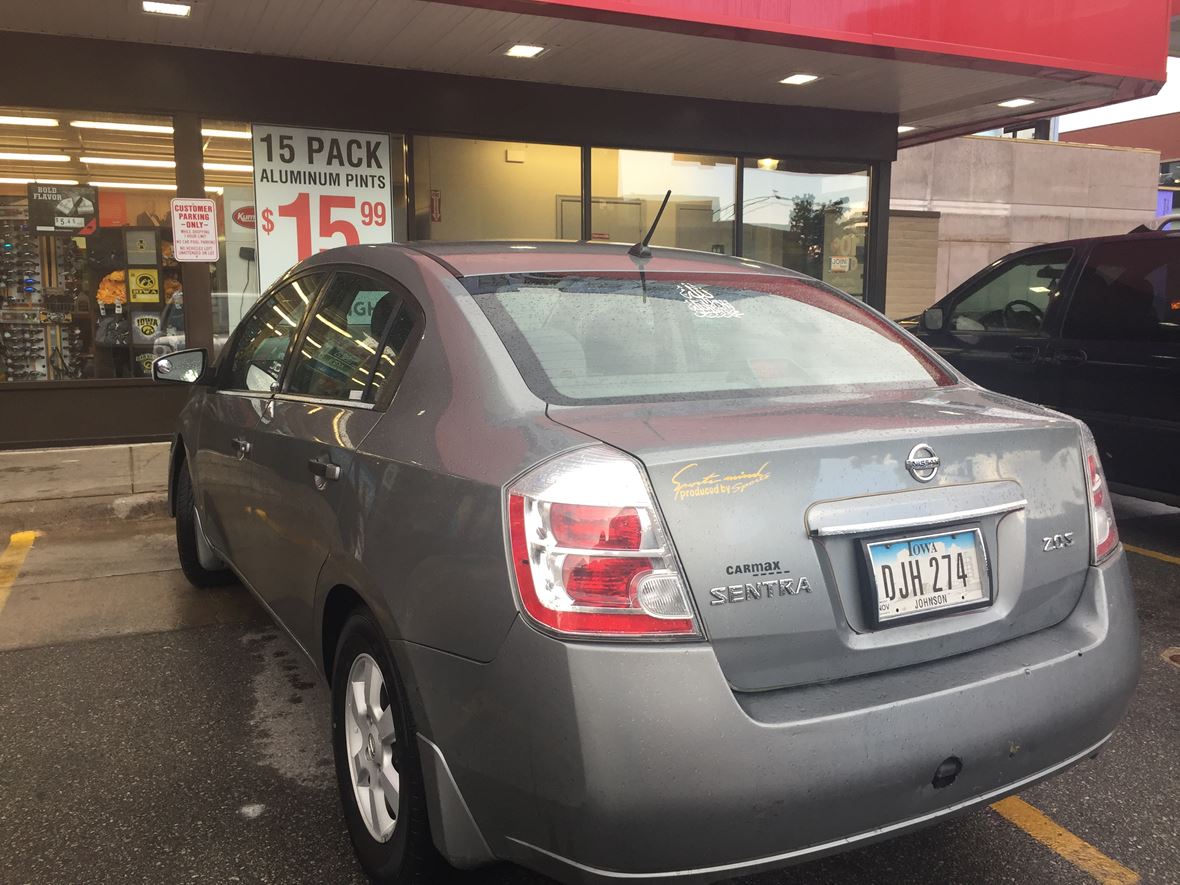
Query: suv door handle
241	445
1025	353
324	469
1070	356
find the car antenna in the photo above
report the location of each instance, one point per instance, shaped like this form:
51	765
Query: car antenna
640	249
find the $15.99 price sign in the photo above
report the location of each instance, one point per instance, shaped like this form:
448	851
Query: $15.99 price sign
318	188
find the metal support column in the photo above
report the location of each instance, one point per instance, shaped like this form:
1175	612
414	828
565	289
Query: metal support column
877	253
194	275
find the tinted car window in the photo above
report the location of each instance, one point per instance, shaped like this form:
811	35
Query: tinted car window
616	337
256	361
1013	298
1128	291
353	342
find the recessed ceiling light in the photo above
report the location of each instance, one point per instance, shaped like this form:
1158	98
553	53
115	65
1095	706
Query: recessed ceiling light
1016	103
799	79
28	121
37	181
34	158
176	10
768	163
121	127
524	50
129	161
901	130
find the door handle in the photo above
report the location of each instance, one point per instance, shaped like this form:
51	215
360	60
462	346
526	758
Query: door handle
1025	353
241	445
1070	356
324	469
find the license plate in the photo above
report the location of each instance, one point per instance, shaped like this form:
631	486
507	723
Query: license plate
928	574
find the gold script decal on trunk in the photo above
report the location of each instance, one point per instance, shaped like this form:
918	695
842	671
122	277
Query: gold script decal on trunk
691	481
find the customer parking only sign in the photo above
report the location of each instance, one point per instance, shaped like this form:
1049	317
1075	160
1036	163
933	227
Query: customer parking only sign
194	230
316	189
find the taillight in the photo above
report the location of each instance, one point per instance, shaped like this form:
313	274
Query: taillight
1104	534
590	552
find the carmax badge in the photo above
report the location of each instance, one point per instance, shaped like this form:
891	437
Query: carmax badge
922	463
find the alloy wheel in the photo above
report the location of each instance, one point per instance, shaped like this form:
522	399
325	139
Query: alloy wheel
370	736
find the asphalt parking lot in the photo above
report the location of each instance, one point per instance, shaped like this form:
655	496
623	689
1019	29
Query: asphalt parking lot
151	732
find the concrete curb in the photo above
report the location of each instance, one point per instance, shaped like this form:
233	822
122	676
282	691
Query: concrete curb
32	475
34	515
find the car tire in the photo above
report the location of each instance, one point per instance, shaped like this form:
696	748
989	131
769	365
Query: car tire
373	727
186	538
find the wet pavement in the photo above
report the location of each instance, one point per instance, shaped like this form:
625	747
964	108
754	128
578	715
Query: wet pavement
151	732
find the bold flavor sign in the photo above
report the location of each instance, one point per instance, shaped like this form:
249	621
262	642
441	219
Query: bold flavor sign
316	189
194	230
56	208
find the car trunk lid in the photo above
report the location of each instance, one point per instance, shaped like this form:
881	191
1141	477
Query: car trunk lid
769	503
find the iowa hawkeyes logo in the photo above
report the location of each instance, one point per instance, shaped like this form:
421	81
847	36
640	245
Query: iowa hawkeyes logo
145	280
148	324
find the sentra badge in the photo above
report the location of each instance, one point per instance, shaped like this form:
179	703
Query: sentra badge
750	590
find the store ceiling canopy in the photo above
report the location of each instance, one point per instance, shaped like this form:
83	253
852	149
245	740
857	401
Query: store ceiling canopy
942	67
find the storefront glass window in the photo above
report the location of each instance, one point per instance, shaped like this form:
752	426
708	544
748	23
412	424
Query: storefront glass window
229	182
86	267
808	217
628	187
469	189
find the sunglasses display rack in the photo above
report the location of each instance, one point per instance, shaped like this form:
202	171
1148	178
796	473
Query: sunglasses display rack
40	281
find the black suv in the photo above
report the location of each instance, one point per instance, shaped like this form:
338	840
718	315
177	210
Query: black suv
1090	327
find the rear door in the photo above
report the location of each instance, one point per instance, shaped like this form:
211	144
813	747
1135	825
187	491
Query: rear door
341	377
1120	358
226	476
998	328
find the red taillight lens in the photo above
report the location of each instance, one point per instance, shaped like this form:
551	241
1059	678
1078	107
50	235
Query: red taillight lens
1104	534
595	528
600	581
564	583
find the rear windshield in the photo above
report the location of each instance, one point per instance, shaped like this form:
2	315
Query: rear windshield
613	337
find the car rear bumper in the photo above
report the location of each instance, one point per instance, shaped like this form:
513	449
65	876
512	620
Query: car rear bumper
597	762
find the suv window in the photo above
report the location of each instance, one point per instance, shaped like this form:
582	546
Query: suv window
1128	291
256	360
619	337
354	342
1014	297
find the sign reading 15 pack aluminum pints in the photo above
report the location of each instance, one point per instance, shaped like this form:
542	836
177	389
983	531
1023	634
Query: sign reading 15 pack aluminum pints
318	188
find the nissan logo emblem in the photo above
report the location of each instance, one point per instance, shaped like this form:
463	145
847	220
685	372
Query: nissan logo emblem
922	463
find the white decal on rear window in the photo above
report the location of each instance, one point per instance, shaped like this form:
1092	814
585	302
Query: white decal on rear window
703	304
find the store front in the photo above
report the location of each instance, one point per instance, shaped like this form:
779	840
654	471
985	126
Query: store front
298	155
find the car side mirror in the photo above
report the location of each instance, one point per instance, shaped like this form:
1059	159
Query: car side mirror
181	366
932	318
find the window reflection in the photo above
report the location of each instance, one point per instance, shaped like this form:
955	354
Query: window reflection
628	187
809	217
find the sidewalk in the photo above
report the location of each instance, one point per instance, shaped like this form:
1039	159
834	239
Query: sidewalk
120	480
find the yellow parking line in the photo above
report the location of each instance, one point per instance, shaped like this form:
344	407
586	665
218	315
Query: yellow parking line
1154	554
1078	852
11	561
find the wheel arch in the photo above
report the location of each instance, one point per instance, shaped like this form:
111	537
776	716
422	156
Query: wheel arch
339	602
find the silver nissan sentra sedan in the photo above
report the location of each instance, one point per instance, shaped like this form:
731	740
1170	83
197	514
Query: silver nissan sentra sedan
631	567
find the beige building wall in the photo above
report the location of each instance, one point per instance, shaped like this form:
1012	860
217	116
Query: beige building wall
996	195
913	260
492	189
